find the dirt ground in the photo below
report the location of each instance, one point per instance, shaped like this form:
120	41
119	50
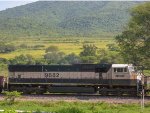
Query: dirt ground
71	98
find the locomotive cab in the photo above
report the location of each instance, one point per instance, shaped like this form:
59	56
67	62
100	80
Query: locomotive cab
125	76
123	72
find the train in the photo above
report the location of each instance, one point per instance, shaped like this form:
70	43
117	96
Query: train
103	79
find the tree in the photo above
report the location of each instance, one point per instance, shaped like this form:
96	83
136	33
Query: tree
51	49
112	47
54	57
89	54
71	59
88	50
89	59
23	59
134	42
105	56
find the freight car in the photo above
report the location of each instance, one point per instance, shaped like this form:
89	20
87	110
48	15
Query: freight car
105	79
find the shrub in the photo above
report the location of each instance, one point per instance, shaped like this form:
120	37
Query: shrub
11	96
7	48
51	49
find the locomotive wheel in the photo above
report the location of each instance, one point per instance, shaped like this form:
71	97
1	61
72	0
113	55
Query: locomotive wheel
26	92
104	92
133	93
39	91
119	92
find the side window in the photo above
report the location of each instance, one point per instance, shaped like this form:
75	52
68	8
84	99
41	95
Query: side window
118	69
125	69
115	69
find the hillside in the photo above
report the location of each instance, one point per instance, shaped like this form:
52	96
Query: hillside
53	18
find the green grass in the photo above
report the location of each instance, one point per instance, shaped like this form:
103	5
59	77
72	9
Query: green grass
75	107
66	45
147	72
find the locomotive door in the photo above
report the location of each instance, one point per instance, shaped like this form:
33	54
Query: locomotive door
100	77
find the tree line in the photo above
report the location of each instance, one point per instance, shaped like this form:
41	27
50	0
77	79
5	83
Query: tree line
89	54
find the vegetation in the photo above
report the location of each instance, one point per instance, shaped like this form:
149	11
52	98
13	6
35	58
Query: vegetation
22	59
134	42
42	49
60	19
10	97
6	48
79	33
37	51
75	107
51	49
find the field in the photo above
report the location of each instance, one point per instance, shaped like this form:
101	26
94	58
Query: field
75	107
36	45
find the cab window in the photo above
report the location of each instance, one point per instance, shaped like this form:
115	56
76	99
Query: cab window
125	69
120	69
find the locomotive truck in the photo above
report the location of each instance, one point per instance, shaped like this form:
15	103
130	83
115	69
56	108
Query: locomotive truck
105	79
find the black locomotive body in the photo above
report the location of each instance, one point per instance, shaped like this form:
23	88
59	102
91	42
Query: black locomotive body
104	79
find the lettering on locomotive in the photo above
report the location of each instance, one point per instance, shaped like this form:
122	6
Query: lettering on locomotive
49	75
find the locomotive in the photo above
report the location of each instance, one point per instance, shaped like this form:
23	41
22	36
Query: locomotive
105	79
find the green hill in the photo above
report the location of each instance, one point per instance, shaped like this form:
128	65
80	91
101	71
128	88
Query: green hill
57	18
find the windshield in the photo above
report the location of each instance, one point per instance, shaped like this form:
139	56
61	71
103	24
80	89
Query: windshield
131	69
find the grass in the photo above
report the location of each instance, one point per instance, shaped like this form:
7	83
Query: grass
75	107
66	45
147	72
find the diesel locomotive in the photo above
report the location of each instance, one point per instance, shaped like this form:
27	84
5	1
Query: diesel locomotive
105	79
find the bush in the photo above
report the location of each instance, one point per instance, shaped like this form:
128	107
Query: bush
23	46
54	58
11	96
51	49
7	48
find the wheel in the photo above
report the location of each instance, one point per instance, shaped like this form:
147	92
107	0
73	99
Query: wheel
119	92
40	91
133	93
104	91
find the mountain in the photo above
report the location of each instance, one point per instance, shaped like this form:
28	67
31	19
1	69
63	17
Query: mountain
69	18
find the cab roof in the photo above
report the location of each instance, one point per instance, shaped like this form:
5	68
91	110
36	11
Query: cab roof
121	65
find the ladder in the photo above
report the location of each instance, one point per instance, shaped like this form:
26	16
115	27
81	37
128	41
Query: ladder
140	88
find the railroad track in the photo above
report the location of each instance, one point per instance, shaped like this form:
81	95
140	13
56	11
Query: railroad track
81	94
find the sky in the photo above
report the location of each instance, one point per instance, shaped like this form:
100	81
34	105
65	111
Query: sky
4	4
